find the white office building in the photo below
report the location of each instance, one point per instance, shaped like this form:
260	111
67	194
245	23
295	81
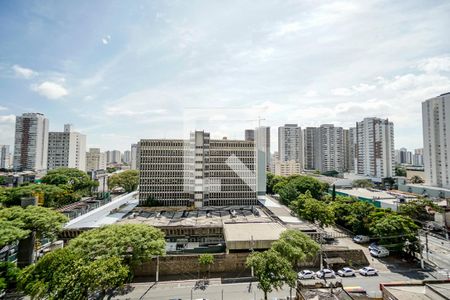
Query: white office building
436	140
375	148
113	157
418	157
198	172
31	142
5	157
290	143
67	149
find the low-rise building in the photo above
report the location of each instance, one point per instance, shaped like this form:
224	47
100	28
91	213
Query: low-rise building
287	168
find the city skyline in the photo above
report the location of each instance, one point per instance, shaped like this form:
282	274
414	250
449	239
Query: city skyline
135	74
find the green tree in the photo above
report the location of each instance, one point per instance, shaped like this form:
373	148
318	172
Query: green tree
310	209
400	171
419	209
64	274
8	275
297	185
10	232
295	246
206	260
358	218
135	242
271	181
416	179
272	270
128	180
362	183
70	178
395	231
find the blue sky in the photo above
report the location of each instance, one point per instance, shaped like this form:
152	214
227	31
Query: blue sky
124	70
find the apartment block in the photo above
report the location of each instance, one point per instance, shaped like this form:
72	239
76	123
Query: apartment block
31	142
126	157
436	140
287	168
250	135
375	147
198	172
5	157
134	157
262	143
95	160
66	149
350	143
290	143
311	148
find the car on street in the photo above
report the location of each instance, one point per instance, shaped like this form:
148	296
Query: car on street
373	246
346	272
379	252
306	274
325	273
361	239
368	271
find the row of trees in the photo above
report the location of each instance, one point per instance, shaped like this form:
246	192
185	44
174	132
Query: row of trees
277	266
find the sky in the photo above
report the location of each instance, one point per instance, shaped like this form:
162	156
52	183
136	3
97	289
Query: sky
120	71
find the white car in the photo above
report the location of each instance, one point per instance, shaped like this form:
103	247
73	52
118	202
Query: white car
306	274
368	271
379	252
360	239
325	273
346	272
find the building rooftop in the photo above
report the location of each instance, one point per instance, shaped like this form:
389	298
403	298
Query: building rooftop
204	217
251	235
372	193
434	291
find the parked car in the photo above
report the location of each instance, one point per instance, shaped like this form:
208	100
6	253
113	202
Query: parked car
306	274
368	271
360	239
373	246
325	273
346	272
379	252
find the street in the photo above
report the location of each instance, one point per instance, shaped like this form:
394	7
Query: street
438	251
218	291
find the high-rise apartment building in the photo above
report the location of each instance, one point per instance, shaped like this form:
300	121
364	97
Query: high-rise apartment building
5	157
418	157
262	143
199	171
331	148
375	147
250	134
436	140
349	149
113	157
134	157
66	149
95	160
287	168
31	142
126	156
311	148
290	143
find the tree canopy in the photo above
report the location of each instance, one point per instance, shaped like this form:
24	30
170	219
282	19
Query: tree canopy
271	181
310	209
10	232
290	189
362	183
70	178
420	209
136	242
128	180
272	270
295	246
44	221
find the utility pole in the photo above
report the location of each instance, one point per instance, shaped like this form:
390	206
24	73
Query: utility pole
251	249
426	243
157	268
321	254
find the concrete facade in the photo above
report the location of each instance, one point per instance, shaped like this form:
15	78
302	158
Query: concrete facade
31	142
436	140
66	149
290	143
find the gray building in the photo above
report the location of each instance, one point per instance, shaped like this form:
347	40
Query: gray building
250	135
31	142
197	172
436	140
5	157
290	143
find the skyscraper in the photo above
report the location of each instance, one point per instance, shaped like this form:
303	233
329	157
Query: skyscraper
95	160
436	140
331	148
311	148
350	149
126	156
5	157
250	134
134	157
31	142
262	143
67	149
290	143
375	147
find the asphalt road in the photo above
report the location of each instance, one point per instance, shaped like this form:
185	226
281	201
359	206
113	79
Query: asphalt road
218	291
438	251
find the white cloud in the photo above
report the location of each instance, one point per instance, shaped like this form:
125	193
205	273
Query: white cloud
7	119
50	90
435	64
360	88
3	108
23	72
120	111
106	40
